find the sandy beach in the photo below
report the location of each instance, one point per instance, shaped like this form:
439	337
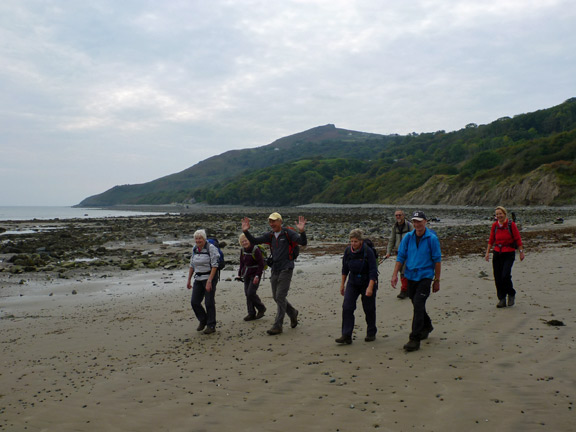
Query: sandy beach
122	354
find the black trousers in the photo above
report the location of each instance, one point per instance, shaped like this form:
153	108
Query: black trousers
253	301
419	291
349	306
205	316
502	263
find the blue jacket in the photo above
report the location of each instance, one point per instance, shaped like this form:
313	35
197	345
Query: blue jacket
420	260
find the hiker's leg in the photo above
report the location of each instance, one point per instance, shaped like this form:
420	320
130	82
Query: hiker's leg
281	292
369	306
249	296
210	302
507	264
498	267
198	291
420	319
348	307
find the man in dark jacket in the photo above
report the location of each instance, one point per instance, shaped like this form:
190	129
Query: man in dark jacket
282	242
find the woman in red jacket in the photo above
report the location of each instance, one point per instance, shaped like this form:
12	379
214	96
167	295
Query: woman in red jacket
505	238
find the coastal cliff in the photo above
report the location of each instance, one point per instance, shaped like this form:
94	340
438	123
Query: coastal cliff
540	187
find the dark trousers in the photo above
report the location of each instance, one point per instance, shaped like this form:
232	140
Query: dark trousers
419	291
280	282
253	302
349	306
502	263
206	316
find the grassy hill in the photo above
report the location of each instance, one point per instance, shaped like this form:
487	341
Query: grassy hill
529	159
322	141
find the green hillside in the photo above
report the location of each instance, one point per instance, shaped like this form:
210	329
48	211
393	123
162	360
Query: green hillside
525	160
323	141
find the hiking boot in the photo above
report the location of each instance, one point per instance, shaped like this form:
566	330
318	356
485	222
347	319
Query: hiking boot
294	319
209	330
371	338
274	331
402	295
344	340
511	301
501	303
250	317
201	326
260	313
412	345
426	332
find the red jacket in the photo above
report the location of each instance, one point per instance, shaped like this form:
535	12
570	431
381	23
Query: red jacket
501	238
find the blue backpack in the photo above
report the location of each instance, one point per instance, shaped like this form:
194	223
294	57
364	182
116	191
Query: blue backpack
221	261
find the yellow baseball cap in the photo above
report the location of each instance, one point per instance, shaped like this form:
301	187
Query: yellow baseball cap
275	216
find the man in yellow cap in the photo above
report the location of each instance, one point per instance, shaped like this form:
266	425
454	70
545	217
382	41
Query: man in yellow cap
283	247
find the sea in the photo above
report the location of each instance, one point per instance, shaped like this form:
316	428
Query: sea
10	213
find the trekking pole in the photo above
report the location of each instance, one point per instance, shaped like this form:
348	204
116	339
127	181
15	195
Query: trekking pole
382	260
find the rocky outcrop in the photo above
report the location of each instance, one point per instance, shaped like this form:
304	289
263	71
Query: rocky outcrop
539	187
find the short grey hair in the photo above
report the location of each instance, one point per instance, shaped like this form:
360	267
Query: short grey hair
357	234
200	233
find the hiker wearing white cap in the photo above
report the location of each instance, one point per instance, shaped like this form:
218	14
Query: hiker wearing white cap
420	252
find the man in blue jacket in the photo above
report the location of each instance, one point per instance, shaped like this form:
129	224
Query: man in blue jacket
420	251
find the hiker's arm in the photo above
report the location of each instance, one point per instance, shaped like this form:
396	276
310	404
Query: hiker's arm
370	289
372	267
372	272
345	271
190	273
241	266
250	237
210	278
259	262
245	224
214	255
391	242
518	240
301	225
394	279
299	238
343	284
437	271
302	239
487	257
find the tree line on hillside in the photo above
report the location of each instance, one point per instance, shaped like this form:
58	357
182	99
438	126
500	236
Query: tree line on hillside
384	170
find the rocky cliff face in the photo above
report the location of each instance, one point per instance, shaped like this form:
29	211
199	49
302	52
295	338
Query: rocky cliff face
539	187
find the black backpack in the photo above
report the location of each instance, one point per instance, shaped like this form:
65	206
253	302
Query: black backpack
370	244
221	260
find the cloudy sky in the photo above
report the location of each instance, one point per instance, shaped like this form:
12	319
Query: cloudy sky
99	93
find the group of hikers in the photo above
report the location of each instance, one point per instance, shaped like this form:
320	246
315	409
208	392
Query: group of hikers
418	268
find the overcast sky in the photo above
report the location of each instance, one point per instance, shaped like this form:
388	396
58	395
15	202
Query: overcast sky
99	93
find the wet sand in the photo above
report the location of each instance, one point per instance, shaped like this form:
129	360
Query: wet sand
123	354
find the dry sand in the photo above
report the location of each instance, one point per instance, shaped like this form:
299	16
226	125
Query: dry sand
123	355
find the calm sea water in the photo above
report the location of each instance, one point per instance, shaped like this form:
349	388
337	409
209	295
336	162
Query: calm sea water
44	213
